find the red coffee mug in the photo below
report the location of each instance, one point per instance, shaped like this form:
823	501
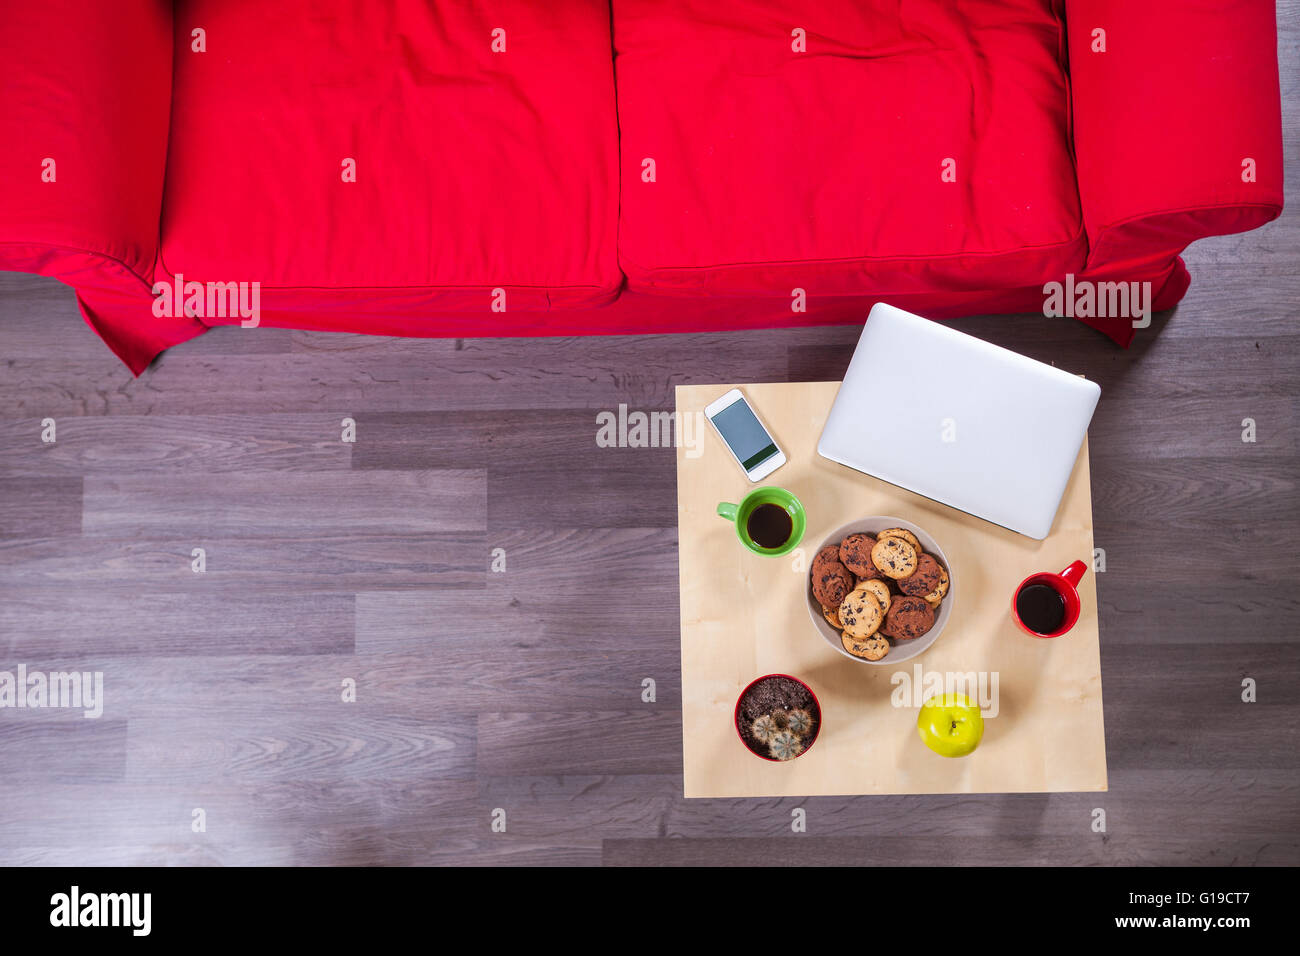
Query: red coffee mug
1066	584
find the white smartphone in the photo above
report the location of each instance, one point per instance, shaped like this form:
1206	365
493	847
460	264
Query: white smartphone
748	440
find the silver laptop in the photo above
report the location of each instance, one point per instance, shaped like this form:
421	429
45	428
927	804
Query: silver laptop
969	424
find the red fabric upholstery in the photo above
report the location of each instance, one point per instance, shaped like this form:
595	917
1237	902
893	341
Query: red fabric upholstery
522	170
824	169
1170	98
475	169
88	85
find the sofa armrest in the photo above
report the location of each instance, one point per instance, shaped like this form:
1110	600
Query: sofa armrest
86	87
83	134
1177	122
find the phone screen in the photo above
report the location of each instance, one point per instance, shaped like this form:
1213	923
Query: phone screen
740	428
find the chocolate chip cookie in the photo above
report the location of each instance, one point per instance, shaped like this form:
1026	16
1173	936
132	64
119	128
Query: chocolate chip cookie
860	614
826	555
832	615
941	589
908	618
894	557
901	533
872	648
855	554
924	579
831	581
880	589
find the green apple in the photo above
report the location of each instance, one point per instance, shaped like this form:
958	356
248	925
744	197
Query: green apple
950	725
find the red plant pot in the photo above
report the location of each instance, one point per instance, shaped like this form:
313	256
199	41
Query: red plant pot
817	705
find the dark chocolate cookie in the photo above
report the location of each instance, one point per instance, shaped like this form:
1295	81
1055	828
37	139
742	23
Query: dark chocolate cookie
855	554
908	618
830	553
924	579
831	581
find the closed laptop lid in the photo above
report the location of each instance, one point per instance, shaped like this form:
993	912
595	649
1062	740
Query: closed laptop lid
951	417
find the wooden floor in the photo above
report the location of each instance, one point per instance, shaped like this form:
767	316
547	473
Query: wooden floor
521	690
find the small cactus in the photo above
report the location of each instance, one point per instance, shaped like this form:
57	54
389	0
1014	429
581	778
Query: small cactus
785	746
799	722
764	729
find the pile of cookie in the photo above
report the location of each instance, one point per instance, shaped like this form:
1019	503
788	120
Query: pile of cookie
873	588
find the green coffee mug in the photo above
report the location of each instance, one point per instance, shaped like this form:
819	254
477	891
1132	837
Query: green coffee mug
767	523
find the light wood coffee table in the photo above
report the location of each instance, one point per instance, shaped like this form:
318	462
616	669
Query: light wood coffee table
744	616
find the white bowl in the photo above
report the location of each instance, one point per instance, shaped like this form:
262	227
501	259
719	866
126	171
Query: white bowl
899	651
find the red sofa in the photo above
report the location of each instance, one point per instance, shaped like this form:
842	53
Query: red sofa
423	168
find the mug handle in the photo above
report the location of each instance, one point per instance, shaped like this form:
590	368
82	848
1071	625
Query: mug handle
1074	573
728	511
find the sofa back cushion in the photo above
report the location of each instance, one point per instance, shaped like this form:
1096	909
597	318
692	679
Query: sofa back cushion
430	153
846	147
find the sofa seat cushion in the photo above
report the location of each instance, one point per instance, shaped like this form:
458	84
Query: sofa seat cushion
475	169
914	146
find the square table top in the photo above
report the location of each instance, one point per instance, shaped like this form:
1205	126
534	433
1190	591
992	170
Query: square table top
744	615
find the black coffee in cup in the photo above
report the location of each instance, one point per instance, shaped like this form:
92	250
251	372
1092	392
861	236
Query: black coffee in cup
769	526
1041	608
